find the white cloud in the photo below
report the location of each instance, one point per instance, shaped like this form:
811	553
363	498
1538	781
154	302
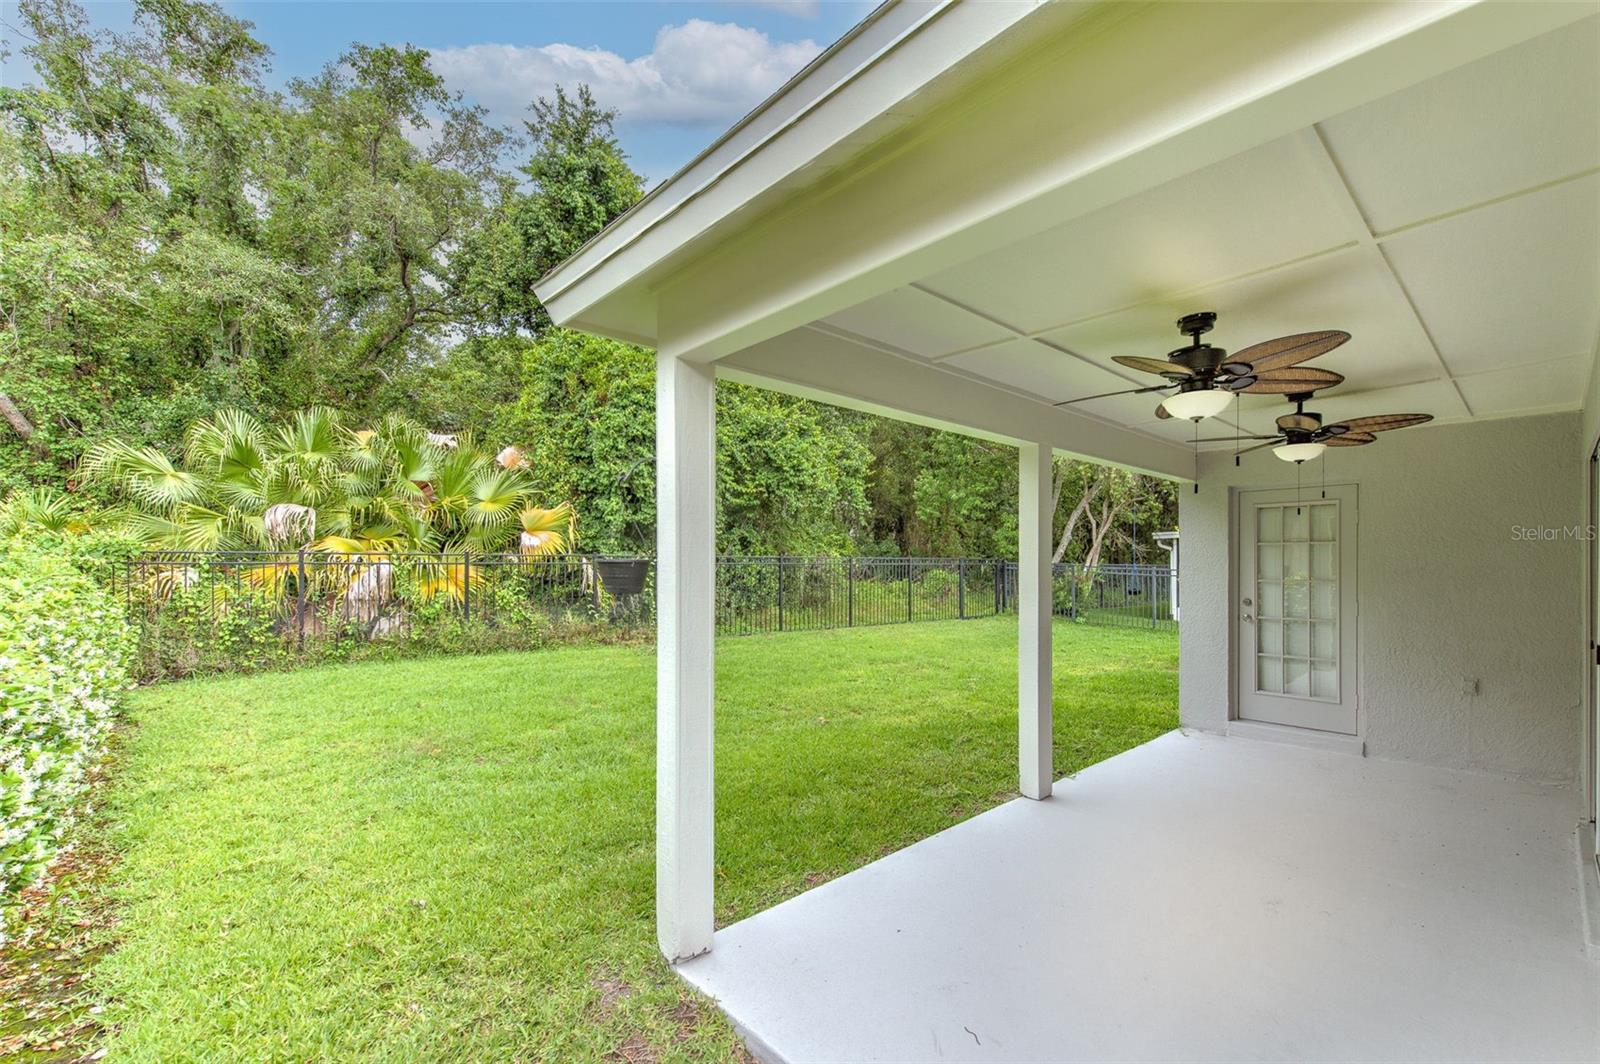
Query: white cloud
697	72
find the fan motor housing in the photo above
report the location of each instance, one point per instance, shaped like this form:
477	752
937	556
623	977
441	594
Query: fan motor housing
1200	358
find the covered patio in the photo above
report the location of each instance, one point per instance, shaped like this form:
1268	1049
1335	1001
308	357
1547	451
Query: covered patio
1366	844
1196	898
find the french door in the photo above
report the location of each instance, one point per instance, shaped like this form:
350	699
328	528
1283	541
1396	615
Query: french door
1295	622
1592	776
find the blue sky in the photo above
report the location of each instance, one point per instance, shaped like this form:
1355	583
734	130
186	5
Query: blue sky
679	73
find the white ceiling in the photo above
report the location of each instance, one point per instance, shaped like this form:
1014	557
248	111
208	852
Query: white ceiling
1453	229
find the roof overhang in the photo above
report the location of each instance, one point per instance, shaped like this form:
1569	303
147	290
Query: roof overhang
935	134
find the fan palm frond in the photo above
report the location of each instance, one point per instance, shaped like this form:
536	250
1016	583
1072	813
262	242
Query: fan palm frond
404	444
385	488
455	476
548	531
41	508
145	474
311	436
244	491
229	441
495	498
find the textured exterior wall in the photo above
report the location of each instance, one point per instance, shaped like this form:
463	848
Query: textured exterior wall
1446	591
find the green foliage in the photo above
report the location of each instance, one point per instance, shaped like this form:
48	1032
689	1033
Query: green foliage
312	482
178	239
965	493
206	620
790	473
577	181
64	651
586	422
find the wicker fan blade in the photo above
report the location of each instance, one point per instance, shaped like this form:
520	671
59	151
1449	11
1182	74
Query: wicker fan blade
1290	381
1380	422
1273	442
1350	439
1230	439
1107	395
1161	412
1287	350
1152	365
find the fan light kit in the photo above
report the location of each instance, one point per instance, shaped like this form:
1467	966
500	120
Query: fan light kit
1299	452
1198	404
1203	378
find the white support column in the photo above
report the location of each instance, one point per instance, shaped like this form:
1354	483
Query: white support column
685	624
1034	602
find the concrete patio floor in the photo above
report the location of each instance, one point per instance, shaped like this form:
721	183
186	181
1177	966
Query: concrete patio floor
1196	898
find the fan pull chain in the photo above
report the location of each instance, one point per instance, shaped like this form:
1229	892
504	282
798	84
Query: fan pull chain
1238	397
1322	460
1197	457
1297	468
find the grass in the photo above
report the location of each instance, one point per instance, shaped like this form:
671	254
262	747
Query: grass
451	859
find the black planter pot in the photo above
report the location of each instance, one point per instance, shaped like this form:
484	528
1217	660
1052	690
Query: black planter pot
621	576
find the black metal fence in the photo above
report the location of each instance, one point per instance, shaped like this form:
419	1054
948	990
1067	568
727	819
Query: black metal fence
309	594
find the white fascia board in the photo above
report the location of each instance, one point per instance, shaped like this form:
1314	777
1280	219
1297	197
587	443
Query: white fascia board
829	368
890	57
1103	108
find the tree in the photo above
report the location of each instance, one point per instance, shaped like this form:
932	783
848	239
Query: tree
790	473
1077	484
1117	511
578	180
372	219
966	497
586	420
179	240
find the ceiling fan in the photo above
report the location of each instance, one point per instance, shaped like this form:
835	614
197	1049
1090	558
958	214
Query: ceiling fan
1302	435
1206	377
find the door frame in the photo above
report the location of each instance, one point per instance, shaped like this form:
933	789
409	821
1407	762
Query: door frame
1591	658
1235	593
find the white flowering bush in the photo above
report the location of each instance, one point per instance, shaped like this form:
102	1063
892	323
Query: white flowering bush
64	656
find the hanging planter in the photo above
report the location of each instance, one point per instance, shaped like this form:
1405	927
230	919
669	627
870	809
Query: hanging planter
621	576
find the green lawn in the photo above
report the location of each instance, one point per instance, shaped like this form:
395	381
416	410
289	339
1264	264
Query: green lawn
450	859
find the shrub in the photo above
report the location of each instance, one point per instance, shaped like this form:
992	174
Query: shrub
939	585
64	652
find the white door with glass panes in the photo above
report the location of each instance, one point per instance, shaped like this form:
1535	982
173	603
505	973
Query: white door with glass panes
1295	627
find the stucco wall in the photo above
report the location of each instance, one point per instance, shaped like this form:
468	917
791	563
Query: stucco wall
1446	592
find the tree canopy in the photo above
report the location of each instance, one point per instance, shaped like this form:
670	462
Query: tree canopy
180	240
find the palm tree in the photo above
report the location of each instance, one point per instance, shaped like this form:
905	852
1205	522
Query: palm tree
41	508
312	483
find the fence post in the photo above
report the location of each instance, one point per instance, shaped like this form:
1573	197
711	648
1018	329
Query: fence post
780	592
1072	575
1152	598
466	584
300	600
850	592
961	588
910	612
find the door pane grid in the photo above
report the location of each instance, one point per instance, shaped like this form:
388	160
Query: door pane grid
1297	600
